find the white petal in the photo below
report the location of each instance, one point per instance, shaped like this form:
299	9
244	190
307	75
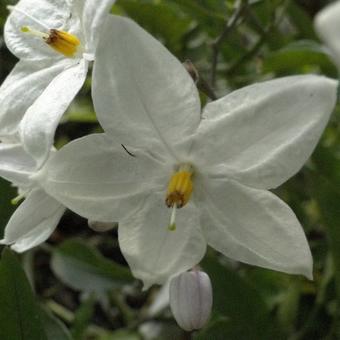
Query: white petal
21	88
51	14
15	165
254	226
327	25
93	14
142	94
262	134
153	252
41	119
101	181
33	222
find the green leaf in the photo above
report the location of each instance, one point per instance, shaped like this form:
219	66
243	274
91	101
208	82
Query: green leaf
161	20
218	330
121	335
84	268
239	302
328	198
54	328
20	316
301	20
297	56
6	208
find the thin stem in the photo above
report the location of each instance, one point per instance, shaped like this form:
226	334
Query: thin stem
276	19
228	28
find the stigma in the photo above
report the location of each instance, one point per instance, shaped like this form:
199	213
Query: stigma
179	191
63	42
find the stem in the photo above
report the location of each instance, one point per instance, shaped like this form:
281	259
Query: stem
276	19
126	312
228	28
62	312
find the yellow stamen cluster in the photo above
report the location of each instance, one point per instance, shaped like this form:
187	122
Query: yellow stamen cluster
62	42
180	187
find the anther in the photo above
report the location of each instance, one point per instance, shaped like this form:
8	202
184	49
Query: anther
62	42
179	191
180	187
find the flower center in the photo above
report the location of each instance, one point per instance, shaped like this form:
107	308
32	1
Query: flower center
62	42
179	191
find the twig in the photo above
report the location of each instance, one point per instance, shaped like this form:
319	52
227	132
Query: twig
263	36
229	27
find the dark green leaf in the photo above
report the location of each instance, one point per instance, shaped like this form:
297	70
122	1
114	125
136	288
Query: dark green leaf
121	335
20	316
239	302
6	208
328	197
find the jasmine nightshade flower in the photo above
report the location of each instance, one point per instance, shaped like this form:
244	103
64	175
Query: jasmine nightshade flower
187	178
37	217
191	299
327	25
55	40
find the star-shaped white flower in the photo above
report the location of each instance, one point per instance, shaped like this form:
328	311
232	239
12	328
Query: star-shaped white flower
192	178
327	25
37	217
54	40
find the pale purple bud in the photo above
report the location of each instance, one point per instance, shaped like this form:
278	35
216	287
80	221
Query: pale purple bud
101	226
191	299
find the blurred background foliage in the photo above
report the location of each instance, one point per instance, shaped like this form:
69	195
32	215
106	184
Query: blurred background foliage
83	287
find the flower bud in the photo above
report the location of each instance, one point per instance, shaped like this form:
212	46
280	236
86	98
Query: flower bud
101	226
191	299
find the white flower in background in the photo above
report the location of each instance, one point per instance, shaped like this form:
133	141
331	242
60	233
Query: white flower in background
54	40
37	217
327	25
192	178
191	299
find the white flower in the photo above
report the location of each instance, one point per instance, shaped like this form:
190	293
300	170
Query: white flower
205	174
327	25
37	217
54	40
191	299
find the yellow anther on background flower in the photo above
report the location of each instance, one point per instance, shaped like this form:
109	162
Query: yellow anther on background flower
62	42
